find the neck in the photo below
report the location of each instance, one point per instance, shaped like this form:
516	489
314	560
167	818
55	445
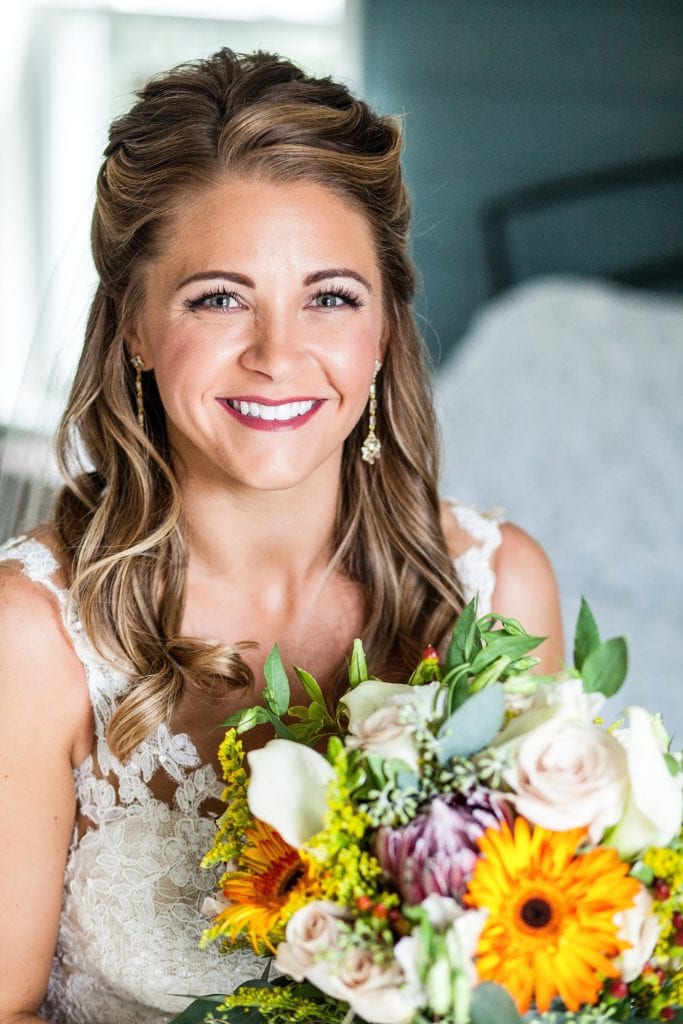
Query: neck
262	537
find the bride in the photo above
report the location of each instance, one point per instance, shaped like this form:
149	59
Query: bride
250	457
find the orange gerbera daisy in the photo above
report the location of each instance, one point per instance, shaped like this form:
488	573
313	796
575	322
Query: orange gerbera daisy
274	880
550	929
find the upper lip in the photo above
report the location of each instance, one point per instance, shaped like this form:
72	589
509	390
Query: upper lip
258	400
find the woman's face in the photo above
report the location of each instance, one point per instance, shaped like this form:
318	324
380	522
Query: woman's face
262	322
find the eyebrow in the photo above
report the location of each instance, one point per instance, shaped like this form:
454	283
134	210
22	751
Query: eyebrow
247	282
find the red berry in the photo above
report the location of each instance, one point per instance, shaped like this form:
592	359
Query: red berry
430	654
660	975
395	916
380	911
661	890
619	989
363	903
677	920
668	1013
678	937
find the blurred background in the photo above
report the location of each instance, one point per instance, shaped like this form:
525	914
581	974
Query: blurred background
544	151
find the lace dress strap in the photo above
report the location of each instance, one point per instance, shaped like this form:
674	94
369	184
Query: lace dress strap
473	566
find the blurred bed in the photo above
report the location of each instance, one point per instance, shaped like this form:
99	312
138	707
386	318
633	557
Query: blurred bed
563	404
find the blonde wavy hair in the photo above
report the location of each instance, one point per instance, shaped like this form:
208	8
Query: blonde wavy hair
119	518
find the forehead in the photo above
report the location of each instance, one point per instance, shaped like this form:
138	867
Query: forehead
248	220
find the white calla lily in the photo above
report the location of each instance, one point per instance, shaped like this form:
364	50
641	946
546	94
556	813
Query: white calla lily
287	789
654	804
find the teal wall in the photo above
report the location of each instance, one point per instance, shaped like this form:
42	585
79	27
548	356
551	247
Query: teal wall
498	94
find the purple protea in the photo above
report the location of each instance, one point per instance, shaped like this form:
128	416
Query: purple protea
436	852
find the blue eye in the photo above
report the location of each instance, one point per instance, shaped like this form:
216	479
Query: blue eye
333	298
220	300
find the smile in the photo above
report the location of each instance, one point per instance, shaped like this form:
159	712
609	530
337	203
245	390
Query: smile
271	415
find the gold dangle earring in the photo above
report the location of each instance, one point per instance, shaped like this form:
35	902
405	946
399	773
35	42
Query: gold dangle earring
138	365
372	448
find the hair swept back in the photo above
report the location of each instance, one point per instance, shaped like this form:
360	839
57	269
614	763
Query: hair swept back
119	519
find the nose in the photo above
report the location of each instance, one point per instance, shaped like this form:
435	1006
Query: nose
275	349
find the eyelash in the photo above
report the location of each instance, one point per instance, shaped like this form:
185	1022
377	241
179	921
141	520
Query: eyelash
350	298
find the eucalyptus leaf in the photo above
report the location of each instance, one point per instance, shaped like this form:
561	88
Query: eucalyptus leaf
491	1004
587	637
310	685
358	666
511	647
462	637
247	718
605	668
473	725
276	693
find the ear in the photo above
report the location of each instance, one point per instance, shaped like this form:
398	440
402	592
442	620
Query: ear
134	344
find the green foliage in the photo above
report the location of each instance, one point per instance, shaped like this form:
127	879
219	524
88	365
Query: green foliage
312	722
601	664
491	1004
473	725
358	666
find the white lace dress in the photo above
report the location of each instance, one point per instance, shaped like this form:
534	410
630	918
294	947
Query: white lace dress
127	949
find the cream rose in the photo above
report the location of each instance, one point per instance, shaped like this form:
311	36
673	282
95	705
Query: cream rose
569	774
376	994
309	933
386	734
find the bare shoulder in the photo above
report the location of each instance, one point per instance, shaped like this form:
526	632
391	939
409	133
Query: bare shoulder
526	589
40	674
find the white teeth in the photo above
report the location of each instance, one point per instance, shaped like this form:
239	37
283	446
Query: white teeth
286	411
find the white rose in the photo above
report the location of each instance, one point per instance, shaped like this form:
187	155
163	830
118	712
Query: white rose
639	926
569	774
310	932
384	733
375	993
654	805
568	698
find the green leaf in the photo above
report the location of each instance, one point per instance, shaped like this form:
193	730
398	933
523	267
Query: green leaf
281	730
463	636
672	765
491	1004
511	647
605	668
247	718
198	1010
310	685
473	725
586	638
276	693
358	666
458	694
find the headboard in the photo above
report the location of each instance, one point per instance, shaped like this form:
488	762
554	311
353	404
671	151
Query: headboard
624	223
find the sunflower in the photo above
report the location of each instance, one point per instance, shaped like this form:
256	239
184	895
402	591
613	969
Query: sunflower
274	880
550	929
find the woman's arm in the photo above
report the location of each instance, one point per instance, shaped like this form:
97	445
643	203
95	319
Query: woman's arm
526	589
45	723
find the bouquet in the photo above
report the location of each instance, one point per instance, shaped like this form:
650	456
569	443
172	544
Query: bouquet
475	844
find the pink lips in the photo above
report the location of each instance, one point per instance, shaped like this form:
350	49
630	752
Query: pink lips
274	426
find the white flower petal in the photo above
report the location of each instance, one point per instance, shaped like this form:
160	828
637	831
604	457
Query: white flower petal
287	789
654	805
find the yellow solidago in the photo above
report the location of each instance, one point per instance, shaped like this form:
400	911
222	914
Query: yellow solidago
350	870
228	843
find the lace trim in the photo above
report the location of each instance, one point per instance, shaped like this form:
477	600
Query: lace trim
473	566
